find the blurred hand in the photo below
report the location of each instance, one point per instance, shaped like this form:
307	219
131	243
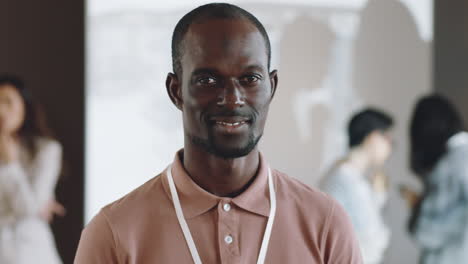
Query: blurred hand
9	148
50	209
379	182
411	196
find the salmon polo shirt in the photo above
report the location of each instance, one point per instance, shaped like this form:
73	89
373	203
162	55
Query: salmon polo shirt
142	227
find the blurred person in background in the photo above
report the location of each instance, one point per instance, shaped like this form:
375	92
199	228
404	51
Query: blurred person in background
439	158
30	163
358	183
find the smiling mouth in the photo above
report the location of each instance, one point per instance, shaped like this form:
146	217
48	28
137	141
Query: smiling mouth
230	124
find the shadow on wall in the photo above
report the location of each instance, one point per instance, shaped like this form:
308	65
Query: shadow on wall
391	70
389	67
292	129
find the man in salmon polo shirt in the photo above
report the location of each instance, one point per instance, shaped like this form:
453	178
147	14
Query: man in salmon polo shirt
219	201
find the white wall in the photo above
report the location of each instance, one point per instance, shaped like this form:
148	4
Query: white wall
333	57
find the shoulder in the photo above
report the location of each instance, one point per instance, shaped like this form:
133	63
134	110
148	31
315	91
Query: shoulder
455	161
337	238
337	180
48	153
294	188
294	192
98	242
456	153
48	145
459	155
145	201
107	236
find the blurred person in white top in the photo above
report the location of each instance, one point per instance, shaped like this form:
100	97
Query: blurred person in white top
30	163
358	183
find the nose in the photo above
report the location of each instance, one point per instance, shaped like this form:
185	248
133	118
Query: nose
231	95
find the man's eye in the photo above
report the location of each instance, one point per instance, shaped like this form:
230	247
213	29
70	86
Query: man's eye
250	79
207	81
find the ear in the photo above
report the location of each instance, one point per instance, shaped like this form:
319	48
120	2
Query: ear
174	90
273	82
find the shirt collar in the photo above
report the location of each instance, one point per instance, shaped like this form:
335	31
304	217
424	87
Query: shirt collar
196	201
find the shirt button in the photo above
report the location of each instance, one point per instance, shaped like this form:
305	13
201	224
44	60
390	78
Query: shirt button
227	207
228	239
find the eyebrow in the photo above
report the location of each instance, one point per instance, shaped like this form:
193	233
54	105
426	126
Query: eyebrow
200	71
254	67
204	71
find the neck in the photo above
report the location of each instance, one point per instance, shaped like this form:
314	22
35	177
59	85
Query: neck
358	159
221	177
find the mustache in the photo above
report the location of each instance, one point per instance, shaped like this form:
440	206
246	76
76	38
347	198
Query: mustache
247	113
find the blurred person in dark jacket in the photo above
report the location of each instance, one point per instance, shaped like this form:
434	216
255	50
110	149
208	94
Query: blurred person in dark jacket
439	158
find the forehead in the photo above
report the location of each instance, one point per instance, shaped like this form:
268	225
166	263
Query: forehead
8	90
221	43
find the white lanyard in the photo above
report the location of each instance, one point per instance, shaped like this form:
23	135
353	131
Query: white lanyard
188	235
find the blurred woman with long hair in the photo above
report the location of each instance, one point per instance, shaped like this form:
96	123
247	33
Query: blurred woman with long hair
439	158
30	163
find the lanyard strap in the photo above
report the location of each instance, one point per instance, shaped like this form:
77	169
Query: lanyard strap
188	235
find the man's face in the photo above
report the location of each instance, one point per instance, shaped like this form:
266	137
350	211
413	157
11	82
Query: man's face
225	86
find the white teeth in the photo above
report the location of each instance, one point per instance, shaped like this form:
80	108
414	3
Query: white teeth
230	124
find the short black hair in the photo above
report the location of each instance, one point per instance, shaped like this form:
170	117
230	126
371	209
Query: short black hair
434	121
365	122
207	12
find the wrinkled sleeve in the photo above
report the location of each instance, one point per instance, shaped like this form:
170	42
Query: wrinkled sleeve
340	245
98	244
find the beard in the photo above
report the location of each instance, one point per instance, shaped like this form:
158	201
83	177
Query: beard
210	146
